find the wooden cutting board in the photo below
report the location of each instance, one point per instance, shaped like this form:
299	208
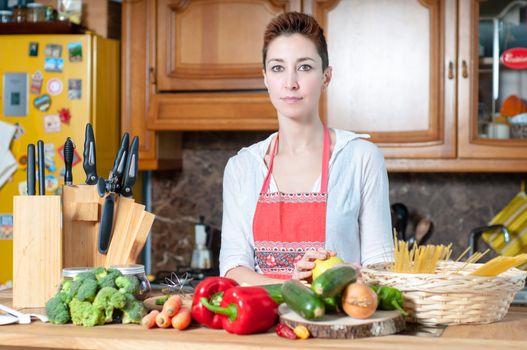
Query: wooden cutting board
341	326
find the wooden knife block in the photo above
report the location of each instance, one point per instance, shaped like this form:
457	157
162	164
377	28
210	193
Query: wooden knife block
81	207
37	249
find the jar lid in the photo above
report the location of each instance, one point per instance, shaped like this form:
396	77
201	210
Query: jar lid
35	5
129	269
6	12
74	271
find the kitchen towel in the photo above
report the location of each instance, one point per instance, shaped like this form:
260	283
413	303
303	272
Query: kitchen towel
8	163
514	217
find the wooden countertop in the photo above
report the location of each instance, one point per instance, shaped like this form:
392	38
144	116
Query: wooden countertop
510	333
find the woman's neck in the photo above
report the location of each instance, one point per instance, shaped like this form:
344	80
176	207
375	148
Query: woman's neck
298	137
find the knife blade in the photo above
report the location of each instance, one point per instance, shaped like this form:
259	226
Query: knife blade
89	161
116	174
106	225
130	174
31	169
68	162
41	168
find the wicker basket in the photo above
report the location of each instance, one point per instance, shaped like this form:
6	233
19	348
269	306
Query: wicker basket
449	297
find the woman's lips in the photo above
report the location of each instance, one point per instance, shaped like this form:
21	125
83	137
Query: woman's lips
291	99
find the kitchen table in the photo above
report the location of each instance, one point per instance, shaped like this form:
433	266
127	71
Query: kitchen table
510	333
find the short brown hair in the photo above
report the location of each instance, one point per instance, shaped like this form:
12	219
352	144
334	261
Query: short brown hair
289	23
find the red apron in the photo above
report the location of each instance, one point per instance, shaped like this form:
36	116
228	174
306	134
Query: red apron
286	225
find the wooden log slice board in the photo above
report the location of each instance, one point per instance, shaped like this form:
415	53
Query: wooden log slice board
340	326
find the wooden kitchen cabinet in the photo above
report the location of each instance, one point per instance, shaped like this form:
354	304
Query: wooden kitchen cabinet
404	72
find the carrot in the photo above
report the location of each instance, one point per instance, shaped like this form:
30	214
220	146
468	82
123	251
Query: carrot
163	320
182	319
149	321
172	305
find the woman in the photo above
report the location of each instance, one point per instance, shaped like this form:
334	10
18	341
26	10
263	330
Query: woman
306	192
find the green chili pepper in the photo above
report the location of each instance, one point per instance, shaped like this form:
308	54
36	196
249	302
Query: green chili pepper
389	298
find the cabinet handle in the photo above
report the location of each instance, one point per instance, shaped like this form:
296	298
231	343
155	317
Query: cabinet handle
450	70
153	76
464	69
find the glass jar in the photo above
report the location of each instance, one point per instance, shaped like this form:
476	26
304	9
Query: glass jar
36	12
138	271
68	273
19	14
6	16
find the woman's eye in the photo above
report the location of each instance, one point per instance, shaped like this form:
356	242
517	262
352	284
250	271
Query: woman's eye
305	67
277	68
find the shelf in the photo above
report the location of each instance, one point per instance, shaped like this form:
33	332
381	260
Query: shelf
57	27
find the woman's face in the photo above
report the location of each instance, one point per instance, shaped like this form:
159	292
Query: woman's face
294	77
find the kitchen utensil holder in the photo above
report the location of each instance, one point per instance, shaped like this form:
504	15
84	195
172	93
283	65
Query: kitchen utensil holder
449	297
37	249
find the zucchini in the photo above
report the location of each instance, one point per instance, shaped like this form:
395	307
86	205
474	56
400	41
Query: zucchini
275	292
333	281
302	300
332	304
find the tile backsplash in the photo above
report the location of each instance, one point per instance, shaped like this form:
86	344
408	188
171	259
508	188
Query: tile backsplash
456	203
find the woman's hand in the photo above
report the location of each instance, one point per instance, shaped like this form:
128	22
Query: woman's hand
304	266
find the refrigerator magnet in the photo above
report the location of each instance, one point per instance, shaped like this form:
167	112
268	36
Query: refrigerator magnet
33	49
42	102
53	51
51	123
22	161
36	83
54	86
65	115
6	226
75	52
53	65
74	89
19	132
52	183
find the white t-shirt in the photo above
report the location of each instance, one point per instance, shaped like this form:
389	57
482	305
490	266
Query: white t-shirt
358	222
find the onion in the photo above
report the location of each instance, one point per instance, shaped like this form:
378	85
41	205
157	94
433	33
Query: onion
359	301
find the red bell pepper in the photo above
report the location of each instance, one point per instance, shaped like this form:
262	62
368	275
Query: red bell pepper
245	310
211	289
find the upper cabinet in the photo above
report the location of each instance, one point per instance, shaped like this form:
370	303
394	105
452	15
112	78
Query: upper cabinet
425	78
393	73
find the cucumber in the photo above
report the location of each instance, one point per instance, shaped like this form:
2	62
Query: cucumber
333	281
302	300
275	292
332	304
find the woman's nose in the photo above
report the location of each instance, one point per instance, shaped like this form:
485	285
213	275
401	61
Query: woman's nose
291	82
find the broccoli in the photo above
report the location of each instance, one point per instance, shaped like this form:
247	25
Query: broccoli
84	276
100	273
109	279
85	314
107	300
87	290
133	311
57	309
128	284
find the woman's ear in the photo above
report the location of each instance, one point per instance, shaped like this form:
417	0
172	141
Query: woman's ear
327	76
265	78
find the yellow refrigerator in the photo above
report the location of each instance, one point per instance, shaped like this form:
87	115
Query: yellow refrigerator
52	86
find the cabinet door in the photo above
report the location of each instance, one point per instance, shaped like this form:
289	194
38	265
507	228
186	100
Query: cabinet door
493	82
213	44
393	72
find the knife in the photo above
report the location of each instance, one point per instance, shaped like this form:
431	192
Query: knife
89	163
68	161
106	225
130	174
41	168
31	169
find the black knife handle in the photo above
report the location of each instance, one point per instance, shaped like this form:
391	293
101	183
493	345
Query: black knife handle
41	168
68	161
31	169
116	174
130	174
106	225
89	159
